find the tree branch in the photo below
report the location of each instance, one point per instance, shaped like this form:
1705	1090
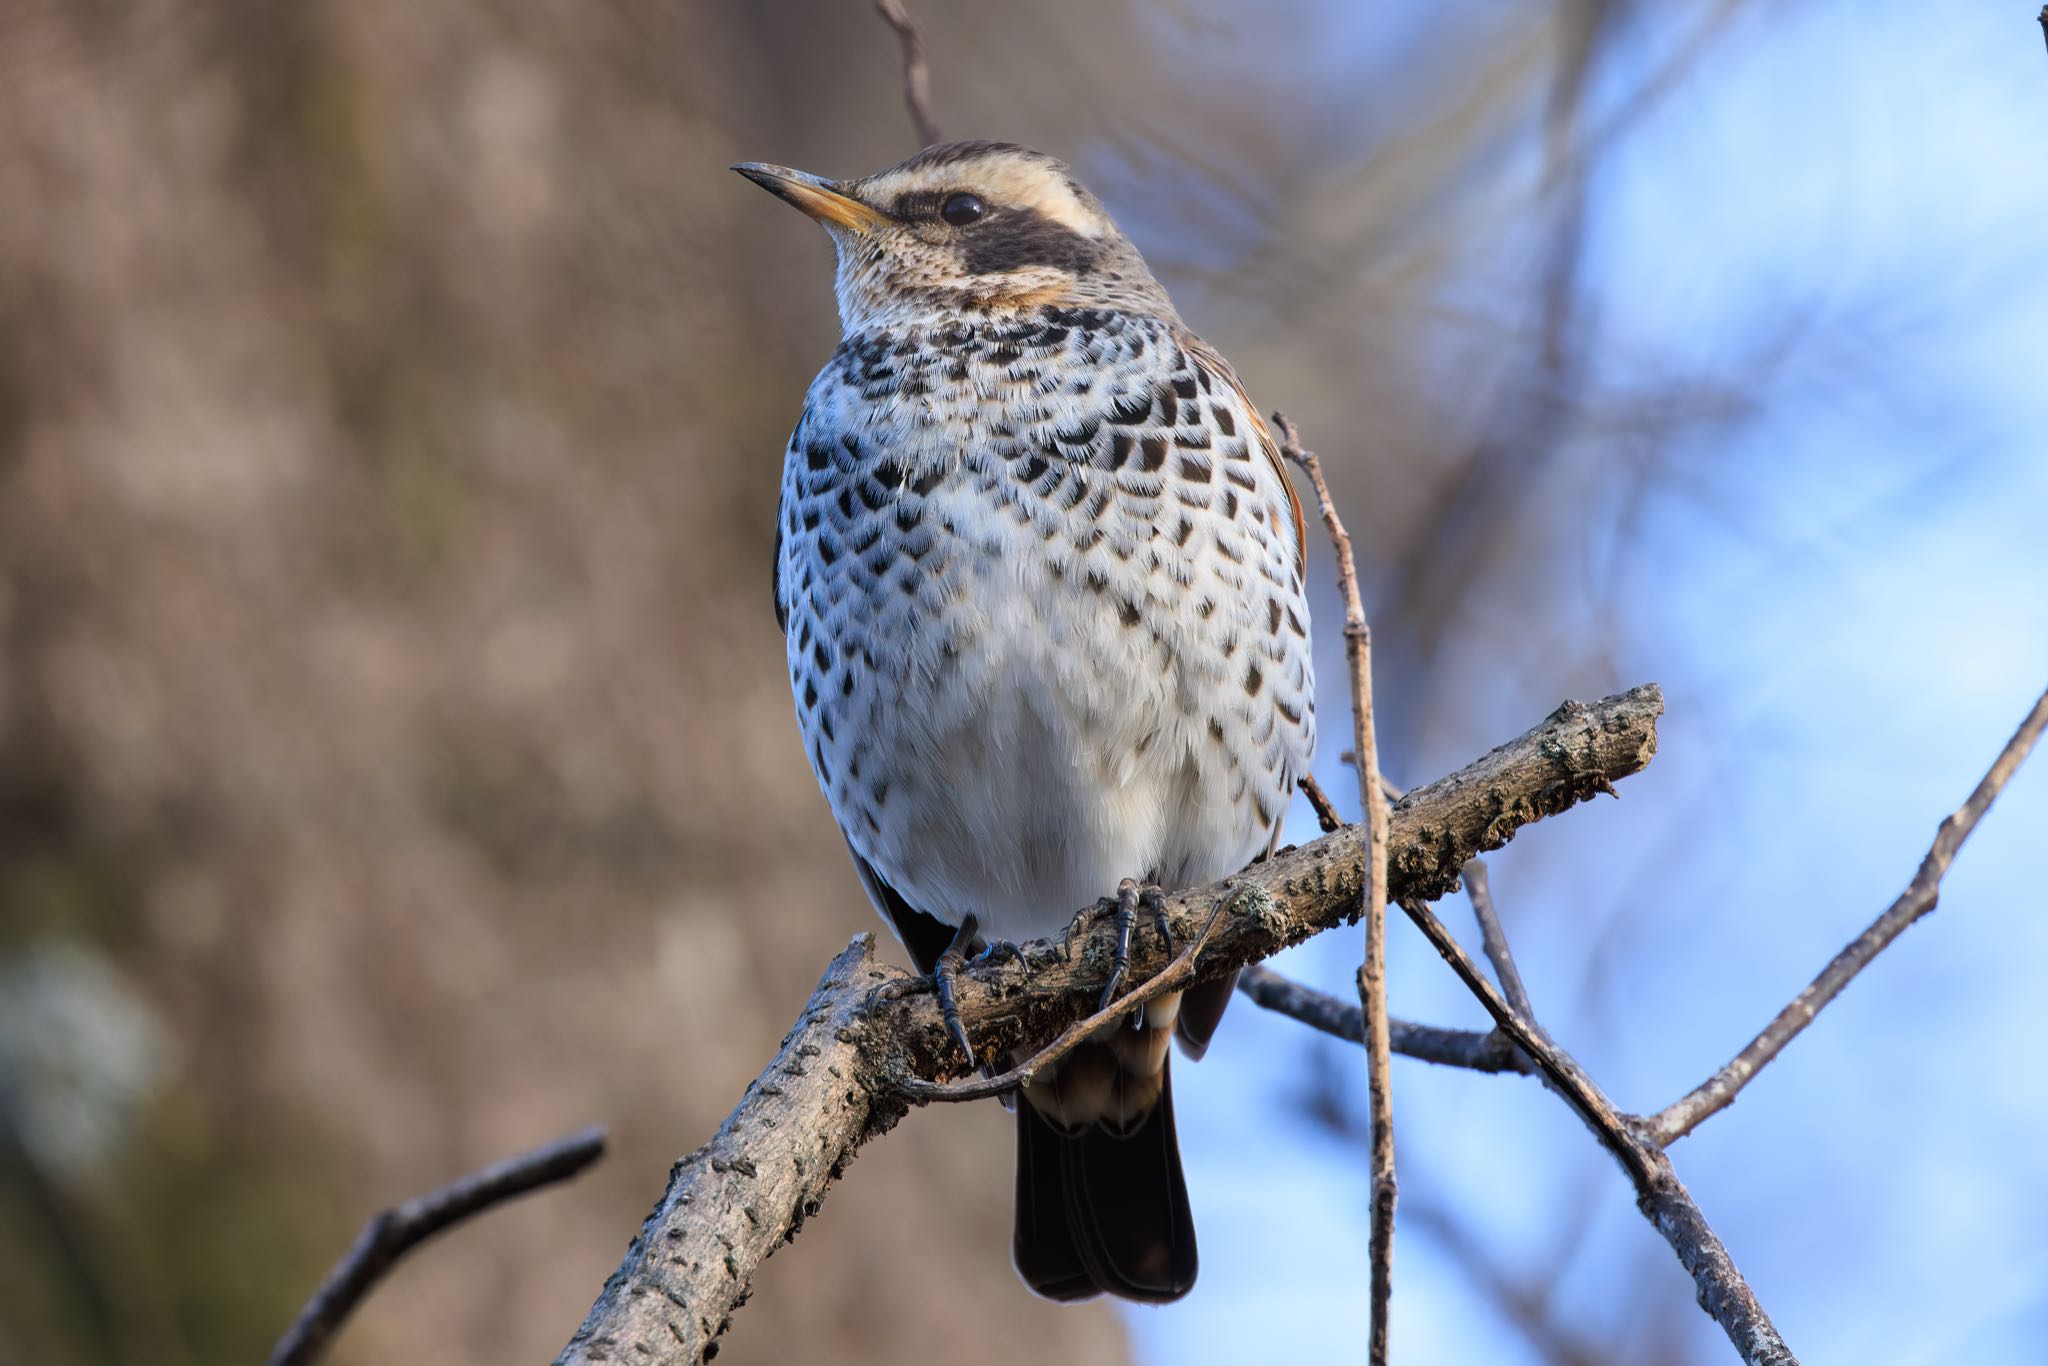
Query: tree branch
1718	1092
1638	1143
917	74
1326	811
1489	1052
1493	941
837	1079
394	1232
1663	1200
1372	973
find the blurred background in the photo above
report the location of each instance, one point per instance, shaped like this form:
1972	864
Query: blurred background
397	768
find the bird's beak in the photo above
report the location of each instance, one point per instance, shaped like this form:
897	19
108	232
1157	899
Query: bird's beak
819	198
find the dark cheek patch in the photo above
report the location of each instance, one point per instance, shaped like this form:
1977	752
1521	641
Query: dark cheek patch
1018	239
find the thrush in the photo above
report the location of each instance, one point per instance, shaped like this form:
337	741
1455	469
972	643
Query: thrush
1040	573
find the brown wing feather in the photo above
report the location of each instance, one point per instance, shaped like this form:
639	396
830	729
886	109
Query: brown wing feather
1207	357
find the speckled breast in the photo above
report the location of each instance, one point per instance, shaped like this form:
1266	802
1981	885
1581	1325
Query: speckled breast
1043	601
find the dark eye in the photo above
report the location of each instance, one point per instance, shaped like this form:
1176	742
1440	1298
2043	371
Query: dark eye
962	209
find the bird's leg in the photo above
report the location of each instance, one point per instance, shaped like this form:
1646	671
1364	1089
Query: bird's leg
1130	895
1001	951
945	973
942	978
1120	958
1153	899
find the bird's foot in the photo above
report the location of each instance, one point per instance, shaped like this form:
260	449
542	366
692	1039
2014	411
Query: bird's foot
903	988
944	977
1130	895
945	974
1001	951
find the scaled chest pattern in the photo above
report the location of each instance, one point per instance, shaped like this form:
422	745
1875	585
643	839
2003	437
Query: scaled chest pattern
1042	593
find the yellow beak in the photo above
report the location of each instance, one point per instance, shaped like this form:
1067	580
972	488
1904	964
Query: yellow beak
819	198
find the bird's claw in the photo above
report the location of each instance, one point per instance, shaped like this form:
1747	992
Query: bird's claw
945	973
1001	951
903	988
1153	899
1130	894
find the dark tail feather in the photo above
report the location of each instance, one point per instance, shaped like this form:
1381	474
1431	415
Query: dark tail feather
1098	1211
1046	1255
1201	1010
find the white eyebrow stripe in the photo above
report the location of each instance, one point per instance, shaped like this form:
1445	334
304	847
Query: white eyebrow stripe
1033	185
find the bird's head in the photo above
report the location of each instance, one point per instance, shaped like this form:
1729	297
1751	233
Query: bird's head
967	228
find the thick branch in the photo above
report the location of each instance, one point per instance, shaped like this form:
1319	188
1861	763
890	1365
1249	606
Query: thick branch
396	1231
837	1080
1718	1092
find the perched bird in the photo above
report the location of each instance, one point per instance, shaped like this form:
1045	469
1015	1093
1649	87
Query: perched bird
1040	572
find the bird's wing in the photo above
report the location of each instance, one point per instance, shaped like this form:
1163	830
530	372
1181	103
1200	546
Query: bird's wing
1218	368
775	569
926	936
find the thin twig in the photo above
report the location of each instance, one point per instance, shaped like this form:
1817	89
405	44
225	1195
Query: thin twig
1663	1199
1556	1066
1170	978
1494	940
1326	811
396	1231
1718	1092
917	74
1372	973
1393	793
1467	1048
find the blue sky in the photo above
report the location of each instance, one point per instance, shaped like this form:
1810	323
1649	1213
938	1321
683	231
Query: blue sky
1846	599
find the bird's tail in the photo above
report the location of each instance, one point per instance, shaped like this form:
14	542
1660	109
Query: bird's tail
1101	1202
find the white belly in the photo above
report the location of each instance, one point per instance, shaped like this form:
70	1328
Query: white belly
1051	766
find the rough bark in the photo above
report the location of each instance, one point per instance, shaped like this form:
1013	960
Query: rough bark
837	1079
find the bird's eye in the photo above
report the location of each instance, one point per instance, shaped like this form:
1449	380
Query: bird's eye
962	209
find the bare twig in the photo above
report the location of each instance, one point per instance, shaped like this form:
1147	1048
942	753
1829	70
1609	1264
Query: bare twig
1662	1198
1489	1052
1494	940
1326	811
836	1081
1557	1067
1372	973
1171	978
917	74
1718	1092
1393	793
396	1231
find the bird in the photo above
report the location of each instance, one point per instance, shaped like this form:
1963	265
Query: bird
1040	574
